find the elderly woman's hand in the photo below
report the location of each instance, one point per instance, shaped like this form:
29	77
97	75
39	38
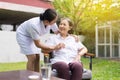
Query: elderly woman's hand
59	46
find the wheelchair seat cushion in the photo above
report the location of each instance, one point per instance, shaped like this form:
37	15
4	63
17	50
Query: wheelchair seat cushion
87	74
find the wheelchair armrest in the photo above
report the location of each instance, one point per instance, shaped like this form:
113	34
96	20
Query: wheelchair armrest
90	55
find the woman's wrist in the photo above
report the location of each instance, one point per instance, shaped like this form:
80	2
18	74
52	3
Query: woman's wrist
52	48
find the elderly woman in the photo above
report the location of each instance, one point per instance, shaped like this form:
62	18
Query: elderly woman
67	59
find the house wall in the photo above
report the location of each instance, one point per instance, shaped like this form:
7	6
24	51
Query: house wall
9	49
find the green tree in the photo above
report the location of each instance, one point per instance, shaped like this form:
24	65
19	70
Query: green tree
73	9
99	12
86	14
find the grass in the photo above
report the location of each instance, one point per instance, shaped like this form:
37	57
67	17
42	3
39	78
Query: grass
12	66
103	69
109	70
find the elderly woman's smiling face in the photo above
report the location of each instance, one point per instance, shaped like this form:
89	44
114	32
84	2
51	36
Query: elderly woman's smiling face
64	26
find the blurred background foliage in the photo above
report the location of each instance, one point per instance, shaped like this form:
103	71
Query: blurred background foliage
85	14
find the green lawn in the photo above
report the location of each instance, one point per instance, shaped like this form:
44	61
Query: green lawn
12	66
103	69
